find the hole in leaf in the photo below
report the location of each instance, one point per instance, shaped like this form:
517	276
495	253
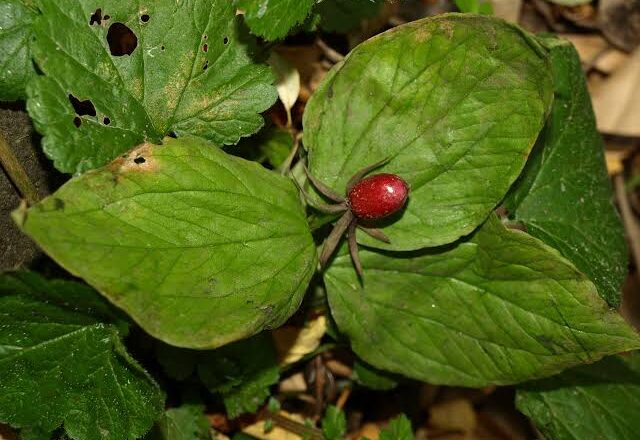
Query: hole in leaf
82	108
77	121
121	39
161	47
106	17
172	135
96	17
139	160
144	18
206	65
226	40
205	36
205	47
106	121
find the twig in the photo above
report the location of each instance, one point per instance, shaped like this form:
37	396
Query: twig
319	382
332	54
16	173
286	166
396	21
629	220
296	427
344	395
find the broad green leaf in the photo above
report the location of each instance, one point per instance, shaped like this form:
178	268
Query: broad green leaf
373	378
177	363
273	19
271	145
475	6
276	146
599	401
564	196
61	363
31	433
186	422
199	247
15	58
500	308
456	101
334	424
399	429
345	15
242	372
192	71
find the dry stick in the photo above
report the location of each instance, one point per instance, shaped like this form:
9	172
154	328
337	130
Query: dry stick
296	427
342	400
332	55
16	173
319	389
629	220
286	166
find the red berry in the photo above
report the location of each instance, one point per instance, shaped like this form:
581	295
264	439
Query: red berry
378	196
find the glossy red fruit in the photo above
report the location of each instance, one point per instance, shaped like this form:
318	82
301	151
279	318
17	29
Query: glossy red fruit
378	196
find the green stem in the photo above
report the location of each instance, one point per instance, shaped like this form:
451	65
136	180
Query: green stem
16	173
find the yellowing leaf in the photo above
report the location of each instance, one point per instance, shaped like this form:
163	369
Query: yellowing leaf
293	343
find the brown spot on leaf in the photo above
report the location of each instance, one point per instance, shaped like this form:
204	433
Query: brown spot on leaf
422	34
138	160
447	27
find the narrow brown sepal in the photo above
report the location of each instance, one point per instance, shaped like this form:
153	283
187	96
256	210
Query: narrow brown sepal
375	233
332	241
357	177
353	249
322	188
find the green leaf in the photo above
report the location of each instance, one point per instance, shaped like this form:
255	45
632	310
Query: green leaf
345	15
183	423
15	58
276	146
564	196
60	363
456	101
599	401
192	71
273	19
370	377
177	363
334	424
242	372
500	308
475	6
243	436
199	247
399	429
271	144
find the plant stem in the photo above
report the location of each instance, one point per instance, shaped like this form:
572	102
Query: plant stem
16	173
630	223
297	428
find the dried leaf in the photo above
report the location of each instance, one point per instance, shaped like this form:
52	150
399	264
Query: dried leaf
292	343
287	82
